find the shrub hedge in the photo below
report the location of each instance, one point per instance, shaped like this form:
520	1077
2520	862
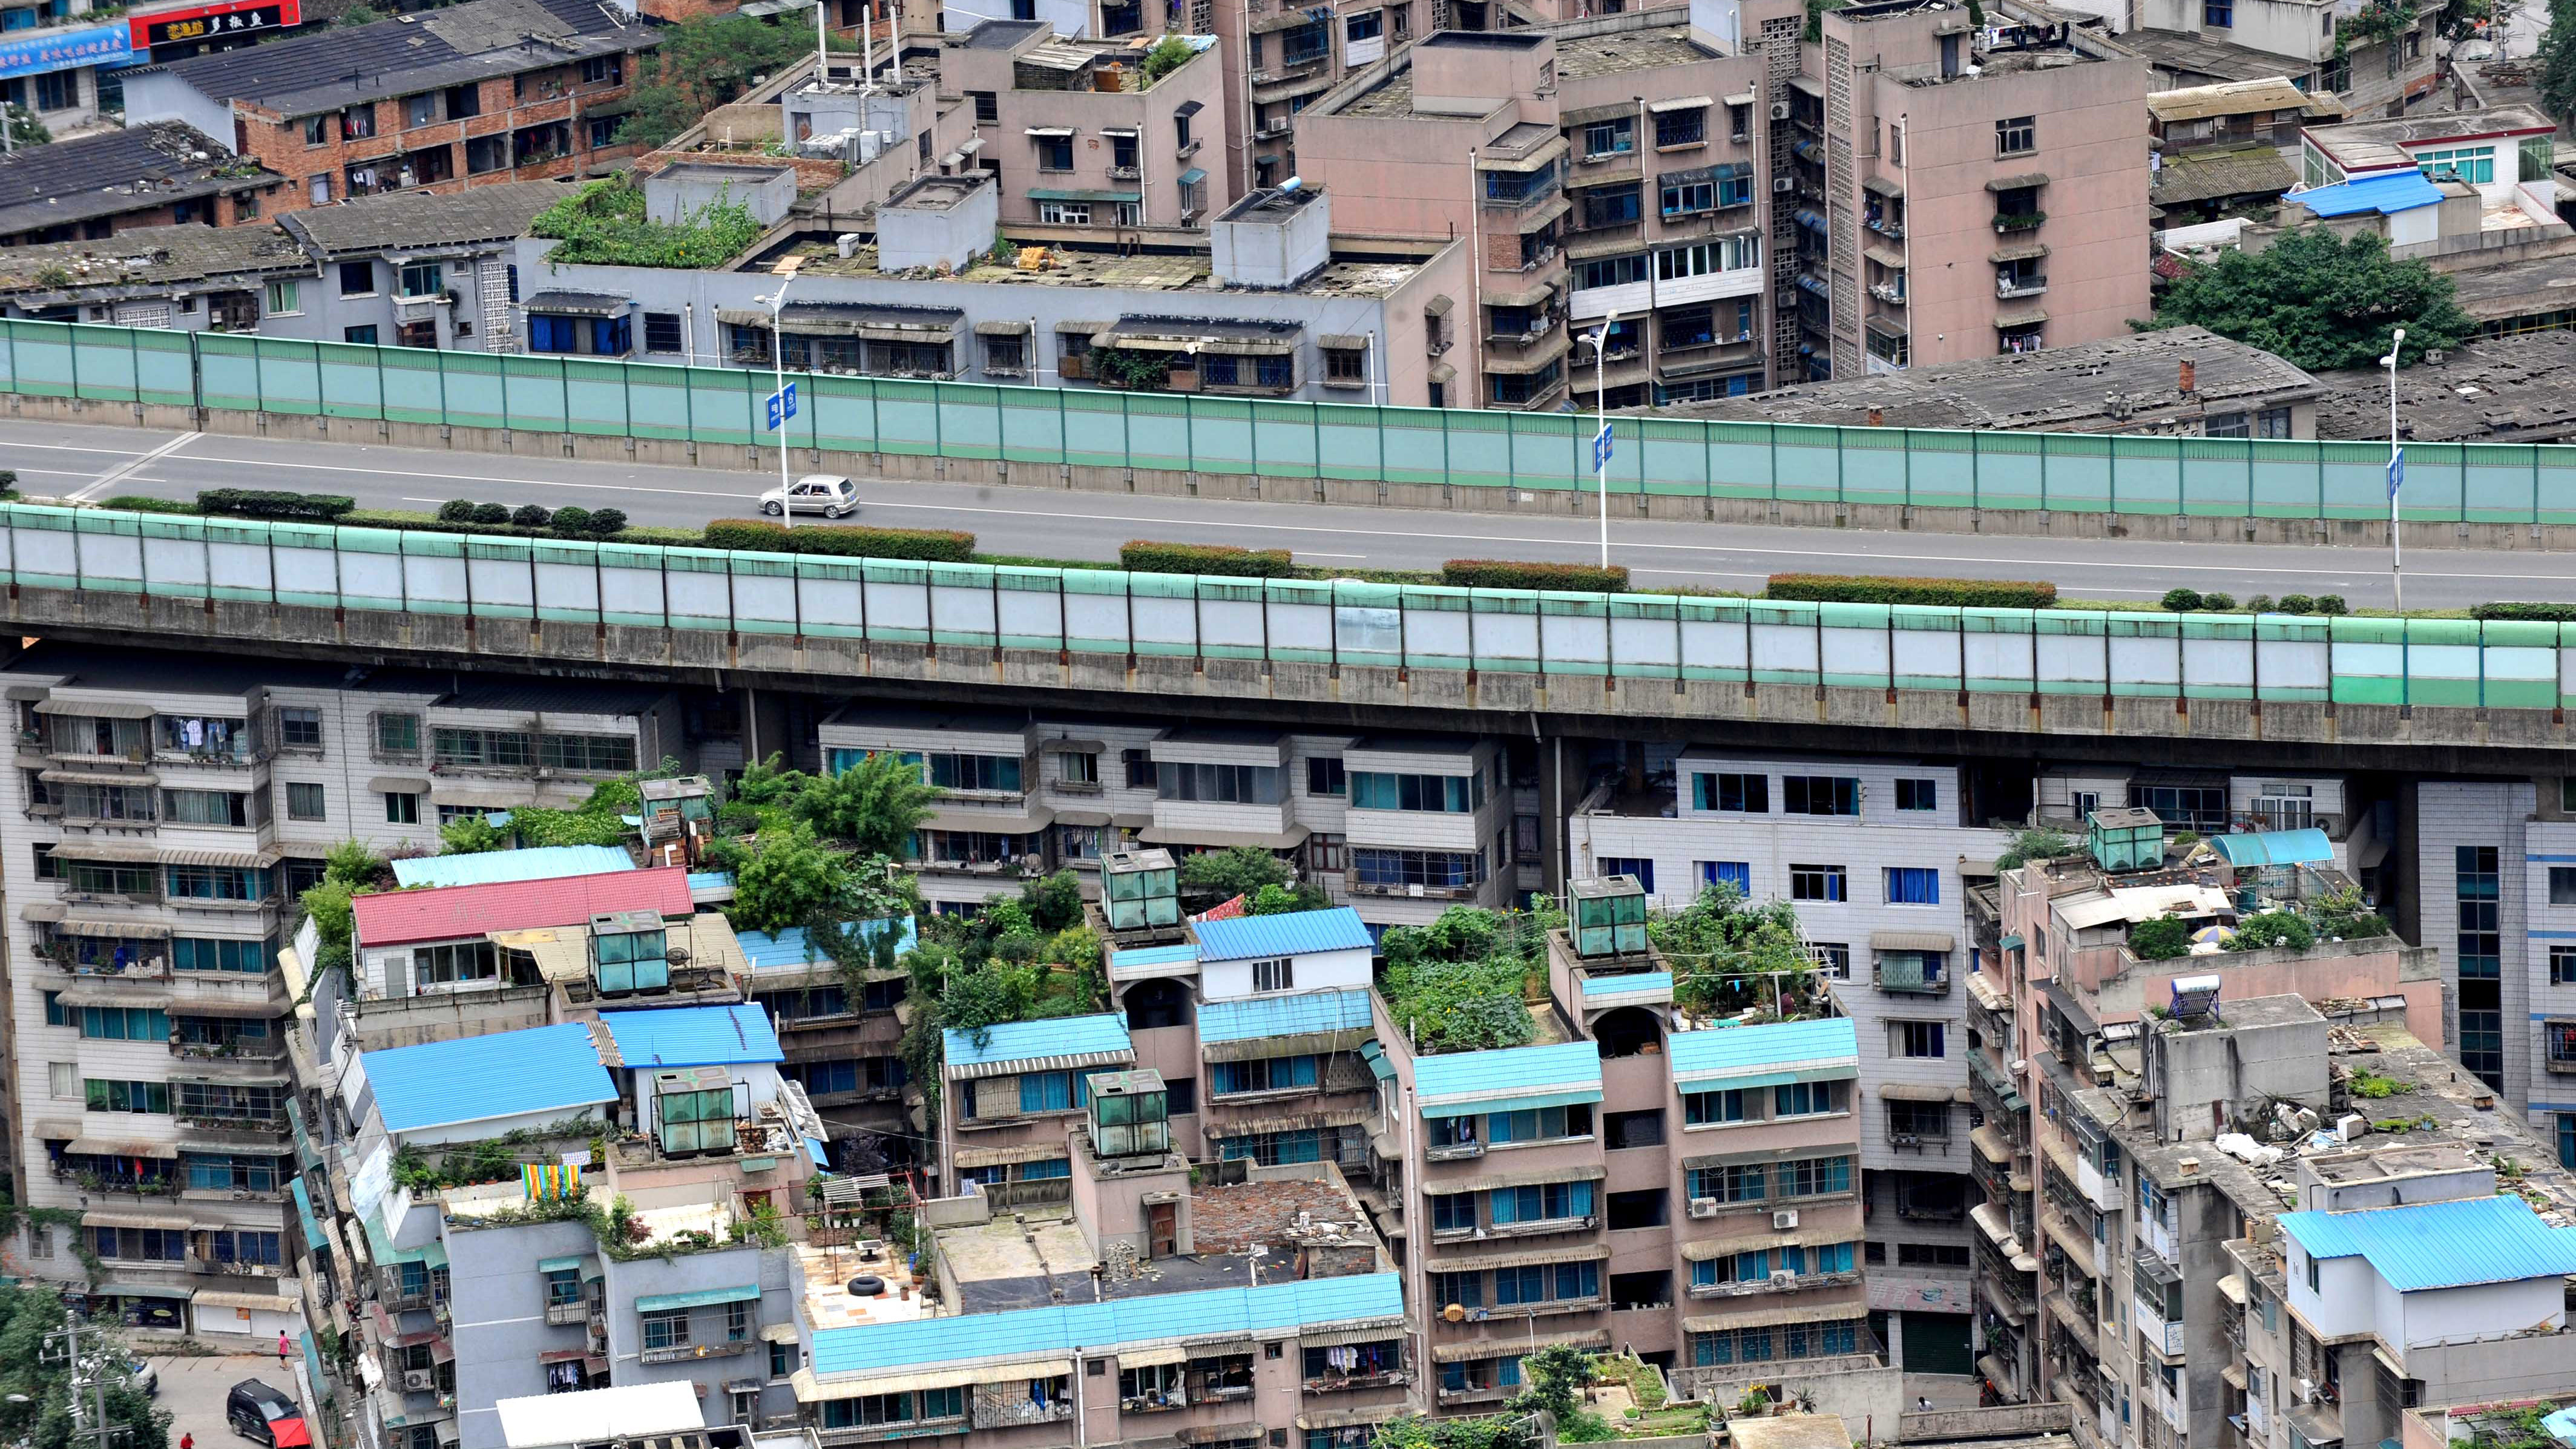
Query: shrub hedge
924	545
1503	573
1878	589
272	503
2543	613
1145	556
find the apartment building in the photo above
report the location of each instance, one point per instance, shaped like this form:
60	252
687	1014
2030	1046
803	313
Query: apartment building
1690	1194
1081	132
1607	172
165	813
474	1265
61	56
843	1052
411	269
1940	154
93	187
1267	301
490	91
1877	858
2374	61
1234	1310
2492	896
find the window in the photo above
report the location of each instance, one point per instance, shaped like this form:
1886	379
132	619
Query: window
117	1096
1819	795
1745	794
667	1329
1915	1039
1218	784
1598	272
1273	975
1612	205
58	90
1736	873
505	749
217	883
363	336
1918	794
1812	1177
1053	1091
2218	14
593	754
662	332
1918	1119
401	808
1451	794
1007	354
1065	213
1913	885
249	958
2479	948
1610	138
1818	883
1709	1109
1055	153
317	130
1687	198
357	279
1832	957
2016	135
283	299
1735	1182
1539	1124
299	728
1324	776
304	802
1681	128
1443	869
2472	164
1551	1203
398	734
1345	364
2562	965
1805	1099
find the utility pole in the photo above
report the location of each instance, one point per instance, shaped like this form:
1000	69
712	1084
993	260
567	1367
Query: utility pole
83	1349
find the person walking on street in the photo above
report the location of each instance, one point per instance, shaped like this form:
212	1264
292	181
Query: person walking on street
187	1441
281	1348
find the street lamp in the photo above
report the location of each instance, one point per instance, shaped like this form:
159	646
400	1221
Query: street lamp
777	302
2396	476
1601	422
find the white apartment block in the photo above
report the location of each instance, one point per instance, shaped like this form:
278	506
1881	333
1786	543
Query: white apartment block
162	816
1400	827
1875	857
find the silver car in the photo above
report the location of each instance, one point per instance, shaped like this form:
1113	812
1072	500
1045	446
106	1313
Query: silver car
828	494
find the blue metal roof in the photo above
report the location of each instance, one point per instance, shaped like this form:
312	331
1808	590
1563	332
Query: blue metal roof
2561	1426
1301	1014
1143	957
1293	933
1633	981
1099	1327
544	862
1761	1056
1508	1079
1017	1041
2275	847
790	948
693	1036
2382	192
2496	1239
478	1078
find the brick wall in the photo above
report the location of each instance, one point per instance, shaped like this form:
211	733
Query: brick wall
507	105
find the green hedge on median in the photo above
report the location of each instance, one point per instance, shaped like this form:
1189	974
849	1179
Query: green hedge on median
1503	573
2534	613
921	545
271	503
1879	589
1147	557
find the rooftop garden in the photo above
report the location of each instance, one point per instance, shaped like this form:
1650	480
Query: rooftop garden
604	224
1463	983
1732	958
2339	915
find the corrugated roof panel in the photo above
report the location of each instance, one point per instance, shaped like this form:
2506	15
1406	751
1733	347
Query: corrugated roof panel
544	862
2385	193
1101	1327
1474	1078
1302	1014
791	947
2496	1239
458	913
1063	1036
693	1036
2275	847
1295	933
478	1078
1633	981
1144	956
1702	1058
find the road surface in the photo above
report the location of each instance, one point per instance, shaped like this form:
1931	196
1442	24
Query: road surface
101	462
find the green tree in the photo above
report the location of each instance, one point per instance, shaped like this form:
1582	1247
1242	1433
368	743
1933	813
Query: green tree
2162	939
1728	955
35	1390
1053	903
1212	876
2036	843
471	835
1556	1376
875	804
1279	900
787	878
2273	928
2319	301
703	63
25	129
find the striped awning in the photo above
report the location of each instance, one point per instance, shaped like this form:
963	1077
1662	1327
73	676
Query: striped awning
1536	1177
1544	1258
811	1390
1708	1248
113	930
1519	1344
1332	1338
1773	1317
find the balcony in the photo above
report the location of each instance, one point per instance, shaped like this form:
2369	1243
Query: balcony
1910	979
1274	130
246	1051
1776	1283
560	1314
1126	173
1454	1152
884	1433
1887	292
1348	1383
2012	221
676	1352
2022	286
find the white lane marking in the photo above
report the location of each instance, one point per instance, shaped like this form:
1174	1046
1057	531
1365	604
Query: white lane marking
63	448
132	466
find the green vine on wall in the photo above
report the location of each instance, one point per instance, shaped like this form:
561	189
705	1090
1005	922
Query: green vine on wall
13	1217
2381	22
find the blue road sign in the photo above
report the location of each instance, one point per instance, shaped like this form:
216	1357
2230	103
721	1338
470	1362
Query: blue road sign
2396	472
1601	449
782	406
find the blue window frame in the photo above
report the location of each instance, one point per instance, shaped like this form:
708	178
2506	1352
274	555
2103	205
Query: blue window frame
1701	1109
1640	866
1053	1091
1049	1167
1263	1074
1539	1204
1736	873
1910	885
1802	1099
552	334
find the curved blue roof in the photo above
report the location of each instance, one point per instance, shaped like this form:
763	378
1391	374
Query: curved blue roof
2275	847
1296	1014
1019	1041
1508	1079
1098	1327
544	862
1762	1056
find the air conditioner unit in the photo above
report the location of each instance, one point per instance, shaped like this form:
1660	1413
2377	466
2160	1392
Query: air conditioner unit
2307	1391
1782	1277
1703	1207
1783	183
417	1381
1784	1221
1779	110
